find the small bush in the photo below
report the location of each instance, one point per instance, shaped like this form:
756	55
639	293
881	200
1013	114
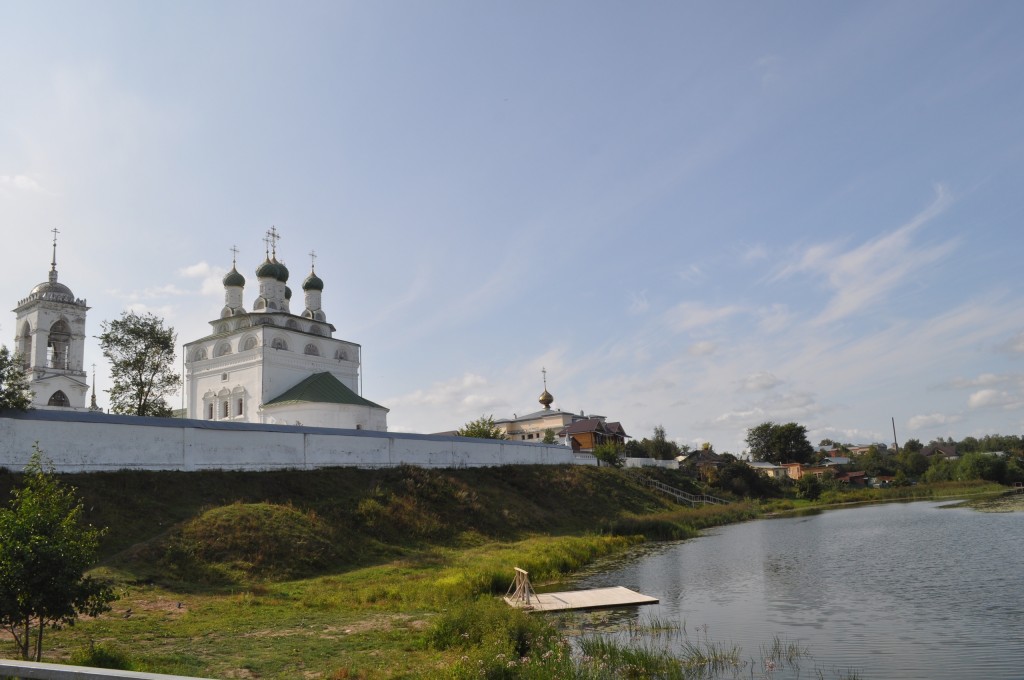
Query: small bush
102	656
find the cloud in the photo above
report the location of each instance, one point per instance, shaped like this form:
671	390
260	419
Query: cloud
704	348
691	274
760	381
867	273
1015	344
991	398
690	315
768	67
639	304
463	390
212	277
754	253
21	183
924	422
775	319
983	380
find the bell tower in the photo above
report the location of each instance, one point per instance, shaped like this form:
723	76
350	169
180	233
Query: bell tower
50	329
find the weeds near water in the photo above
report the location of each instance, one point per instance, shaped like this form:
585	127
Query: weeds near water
653	626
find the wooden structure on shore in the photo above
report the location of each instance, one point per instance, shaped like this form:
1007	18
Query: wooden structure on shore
522	596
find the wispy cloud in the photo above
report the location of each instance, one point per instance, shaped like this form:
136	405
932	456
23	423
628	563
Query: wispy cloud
21	183
754	253
690	315
701	349
760	381
925	422
867	273
638	303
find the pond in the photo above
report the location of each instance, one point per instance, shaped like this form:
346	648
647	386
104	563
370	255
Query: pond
911	590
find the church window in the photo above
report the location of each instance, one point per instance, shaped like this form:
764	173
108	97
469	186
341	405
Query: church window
58	343
224	377
209	412
279	343
225	410
340	355
223	348
240	403
259	304
292	323
25	344
316	330
58	398
312	350
271	305
199	354
250	343
222	328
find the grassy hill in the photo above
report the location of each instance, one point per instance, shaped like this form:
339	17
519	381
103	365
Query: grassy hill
342	571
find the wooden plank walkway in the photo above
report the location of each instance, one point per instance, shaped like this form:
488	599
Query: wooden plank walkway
596	598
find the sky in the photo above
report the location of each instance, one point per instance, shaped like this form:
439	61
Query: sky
700	215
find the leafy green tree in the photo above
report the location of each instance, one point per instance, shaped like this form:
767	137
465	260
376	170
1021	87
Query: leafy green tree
45	548
809	487
141	355
912	463
609	453
549	436
14	390
659	447
780	443
913	445
482	428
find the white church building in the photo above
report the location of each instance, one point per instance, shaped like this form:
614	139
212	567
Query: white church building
50	327
270	365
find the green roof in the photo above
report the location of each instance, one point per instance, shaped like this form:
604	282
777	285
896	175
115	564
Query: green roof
321	388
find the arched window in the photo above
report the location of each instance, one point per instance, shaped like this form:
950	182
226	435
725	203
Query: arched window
291	323
223	348
240	404
279	343
250	343
58	398
316	330
209	412
199	354
25	344
58	343
312	350
222	328
226	412
259	304
340	355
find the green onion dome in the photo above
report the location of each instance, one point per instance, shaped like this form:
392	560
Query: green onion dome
287	293
267	270
313	282
282	271
233	278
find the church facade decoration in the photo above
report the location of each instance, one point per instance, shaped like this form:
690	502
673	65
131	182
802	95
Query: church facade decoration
50	328
251	359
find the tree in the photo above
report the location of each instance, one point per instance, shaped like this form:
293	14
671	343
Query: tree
45	549
549	436
780	443
14	390
482	428
659	447
141	354
913	445
609	453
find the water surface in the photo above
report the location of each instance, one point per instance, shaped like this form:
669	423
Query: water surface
894	591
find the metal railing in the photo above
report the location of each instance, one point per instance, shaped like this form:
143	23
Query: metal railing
693	499
24	670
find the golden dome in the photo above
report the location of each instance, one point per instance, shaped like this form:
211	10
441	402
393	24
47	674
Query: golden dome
546	399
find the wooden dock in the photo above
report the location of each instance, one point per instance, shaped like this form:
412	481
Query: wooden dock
521	596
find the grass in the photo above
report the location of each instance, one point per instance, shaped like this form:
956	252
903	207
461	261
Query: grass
343	573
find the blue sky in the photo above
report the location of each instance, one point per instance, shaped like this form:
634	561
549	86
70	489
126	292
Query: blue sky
700	215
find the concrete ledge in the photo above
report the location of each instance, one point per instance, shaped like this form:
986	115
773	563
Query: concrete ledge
54	671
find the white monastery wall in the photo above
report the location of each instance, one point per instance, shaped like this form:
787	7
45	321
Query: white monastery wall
94	442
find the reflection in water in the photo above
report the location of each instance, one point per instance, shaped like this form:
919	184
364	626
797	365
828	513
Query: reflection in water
898	590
